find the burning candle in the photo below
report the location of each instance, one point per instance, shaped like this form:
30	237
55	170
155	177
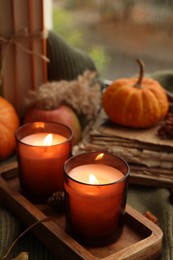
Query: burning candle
42	149
43	139
96	189
95	174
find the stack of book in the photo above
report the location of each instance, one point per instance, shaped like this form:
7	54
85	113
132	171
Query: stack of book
149	156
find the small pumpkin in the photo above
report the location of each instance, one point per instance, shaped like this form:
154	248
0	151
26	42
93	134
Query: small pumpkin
9	121
135	102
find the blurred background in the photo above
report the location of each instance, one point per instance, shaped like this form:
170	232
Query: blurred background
115	33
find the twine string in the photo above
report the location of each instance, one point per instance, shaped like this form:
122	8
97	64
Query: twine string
16	39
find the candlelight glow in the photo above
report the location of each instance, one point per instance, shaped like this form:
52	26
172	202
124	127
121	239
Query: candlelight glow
93	179
48	140
99	157
39	124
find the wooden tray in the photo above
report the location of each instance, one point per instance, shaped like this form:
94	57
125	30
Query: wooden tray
141	238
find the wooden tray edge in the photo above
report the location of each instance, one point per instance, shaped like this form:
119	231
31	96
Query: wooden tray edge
23	209
156	236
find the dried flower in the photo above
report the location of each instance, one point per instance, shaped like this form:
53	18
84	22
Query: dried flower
82	94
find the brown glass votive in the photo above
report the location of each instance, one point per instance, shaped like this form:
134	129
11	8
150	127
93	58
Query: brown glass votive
42	149
96	191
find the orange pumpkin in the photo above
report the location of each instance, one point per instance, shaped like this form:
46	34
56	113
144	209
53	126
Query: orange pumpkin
9	122
135	102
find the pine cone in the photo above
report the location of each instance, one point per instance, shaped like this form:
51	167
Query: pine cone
166	129
57	201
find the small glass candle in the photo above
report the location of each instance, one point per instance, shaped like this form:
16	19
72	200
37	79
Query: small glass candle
42	149
96	189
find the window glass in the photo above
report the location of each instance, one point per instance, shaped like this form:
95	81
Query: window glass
115	33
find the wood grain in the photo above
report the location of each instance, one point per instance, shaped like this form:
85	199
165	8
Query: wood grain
141	238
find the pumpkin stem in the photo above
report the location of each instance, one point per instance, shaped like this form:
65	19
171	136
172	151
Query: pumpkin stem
141	73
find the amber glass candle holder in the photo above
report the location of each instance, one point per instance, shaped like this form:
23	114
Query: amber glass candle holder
96	191
42	148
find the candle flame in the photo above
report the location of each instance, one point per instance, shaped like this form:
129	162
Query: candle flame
48	140
99	157
93	179
39	124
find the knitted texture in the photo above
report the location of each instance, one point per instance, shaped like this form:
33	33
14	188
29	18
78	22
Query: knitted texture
156	200
66	62
10	228
165	78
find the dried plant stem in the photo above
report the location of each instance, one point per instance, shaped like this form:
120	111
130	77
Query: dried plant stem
24	232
